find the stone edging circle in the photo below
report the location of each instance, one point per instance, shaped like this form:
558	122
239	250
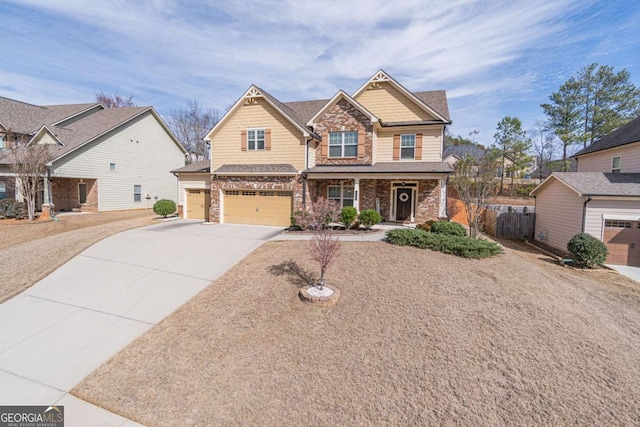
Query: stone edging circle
320	301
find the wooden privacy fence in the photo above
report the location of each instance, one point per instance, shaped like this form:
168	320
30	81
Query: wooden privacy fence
508	223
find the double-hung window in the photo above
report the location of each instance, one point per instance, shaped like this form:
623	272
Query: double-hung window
343	144
3	190
137	193
616	164
407	146
341	194
255	139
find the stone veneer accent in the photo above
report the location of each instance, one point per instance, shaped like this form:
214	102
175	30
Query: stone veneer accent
344	117
428	195
282	183
64	194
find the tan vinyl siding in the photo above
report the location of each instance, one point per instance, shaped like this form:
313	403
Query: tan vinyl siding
143	153
192	180
431	143
558	215
597	208
374	146
312	154
601	161
45	139
287	141
390	105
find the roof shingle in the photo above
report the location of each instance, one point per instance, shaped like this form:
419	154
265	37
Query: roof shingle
626	134
601	183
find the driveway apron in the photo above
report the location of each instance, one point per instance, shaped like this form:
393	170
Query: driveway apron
68	324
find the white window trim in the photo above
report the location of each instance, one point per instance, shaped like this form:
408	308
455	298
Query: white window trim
4	189
256	139
414	146
342	145
619	169
134	193
342	186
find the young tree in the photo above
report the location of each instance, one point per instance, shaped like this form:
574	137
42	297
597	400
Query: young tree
511	141
190	125
475	182
543	146
114	100
563	116
29	165
324	245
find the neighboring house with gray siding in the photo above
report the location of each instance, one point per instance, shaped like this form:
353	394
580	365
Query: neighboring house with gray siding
602	198
102	159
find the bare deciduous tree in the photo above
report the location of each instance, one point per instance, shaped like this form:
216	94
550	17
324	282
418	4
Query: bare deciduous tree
29	165
190	125
324	246
114	100
475	182
543	145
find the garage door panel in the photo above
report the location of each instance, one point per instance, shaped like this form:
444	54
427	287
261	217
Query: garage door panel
622	239
258	207
198	201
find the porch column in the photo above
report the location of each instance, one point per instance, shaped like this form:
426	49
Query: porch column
443	198
46	197
356	194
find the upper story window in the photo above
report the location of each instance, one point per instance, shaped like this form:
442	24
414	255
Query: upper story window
343	144
112	167
616	164
255	139
407	146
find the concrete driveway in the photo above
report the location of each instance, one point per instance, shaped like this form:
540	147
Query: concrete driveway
68	324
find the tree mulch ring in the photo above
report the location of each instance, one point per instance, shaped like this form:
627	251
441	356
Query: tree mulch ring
319	297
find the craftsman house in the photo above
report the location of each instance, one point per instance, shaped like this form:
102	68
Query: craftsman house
101	159
379	148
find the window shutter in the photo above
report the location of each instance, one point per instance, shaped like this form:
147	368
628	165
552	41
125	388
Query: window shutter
361	135
267	139
325	191
324	144
396	147
243	140
418	155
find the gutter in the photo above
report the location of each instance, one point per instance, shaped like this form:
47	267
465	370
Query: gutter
584	212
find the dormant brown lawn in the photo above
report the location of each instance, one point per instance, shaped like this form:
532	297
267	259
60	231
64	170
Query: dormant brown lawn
417	338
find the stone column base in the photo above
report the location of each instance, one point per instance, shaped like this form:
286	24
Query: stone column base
46	212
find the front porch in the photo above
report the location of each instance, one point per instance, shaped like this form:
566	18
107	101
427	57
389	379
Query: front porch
68	194
408	200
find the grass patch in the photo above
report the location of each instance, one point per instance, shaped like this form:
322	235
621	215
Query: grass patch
461	246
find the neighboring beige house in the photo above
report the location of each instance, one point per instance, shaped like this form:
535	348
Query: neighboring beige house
379	148
102	159
602	198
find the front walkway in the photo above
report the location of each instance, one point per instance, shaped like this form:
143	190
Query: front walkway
627	270
370	237
67	325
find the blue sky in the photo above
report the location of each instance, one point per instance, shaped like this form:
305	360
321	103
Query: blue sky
494	58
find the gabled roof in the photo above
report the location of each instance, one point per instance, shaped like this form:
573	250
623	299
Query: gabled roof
256	169
286	112
460	151
626	134
594	184
333	101
201	166
306	109
421	101
44	129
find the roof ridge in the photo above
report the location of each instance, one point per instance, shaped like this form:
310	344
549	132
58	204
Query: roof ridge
25	103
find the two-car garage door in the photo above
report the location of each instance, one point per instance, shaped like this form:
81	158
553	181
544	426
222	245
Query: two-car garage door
622	239
257	207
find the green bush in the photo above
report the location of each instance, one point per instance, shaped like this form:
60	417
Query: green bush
369	218
294	220
10	208
348	216
586	250
449	228
461	246
164	207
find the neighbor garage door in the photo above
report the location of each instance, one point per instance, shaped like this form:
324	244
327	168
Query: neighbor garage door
622	239
257	207
198	201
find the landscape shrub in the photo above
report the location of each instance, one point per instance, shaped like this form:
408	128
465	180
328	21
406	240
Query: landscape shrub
10	208
424	227
294	220
586	250
368	218
164	207
348	216
461	246
448	228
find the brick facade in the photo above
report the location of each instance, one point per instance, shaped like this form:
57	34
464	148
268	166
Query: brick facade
344	117
282	183
65	194
428	195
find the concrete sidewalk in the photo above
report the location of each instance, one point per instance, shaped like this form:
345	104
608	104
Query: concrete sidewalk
68	324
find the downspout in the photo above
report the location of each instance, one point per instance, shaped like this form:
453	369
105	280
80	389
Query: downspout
584	212
177	187
49	185
304	175
535	208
